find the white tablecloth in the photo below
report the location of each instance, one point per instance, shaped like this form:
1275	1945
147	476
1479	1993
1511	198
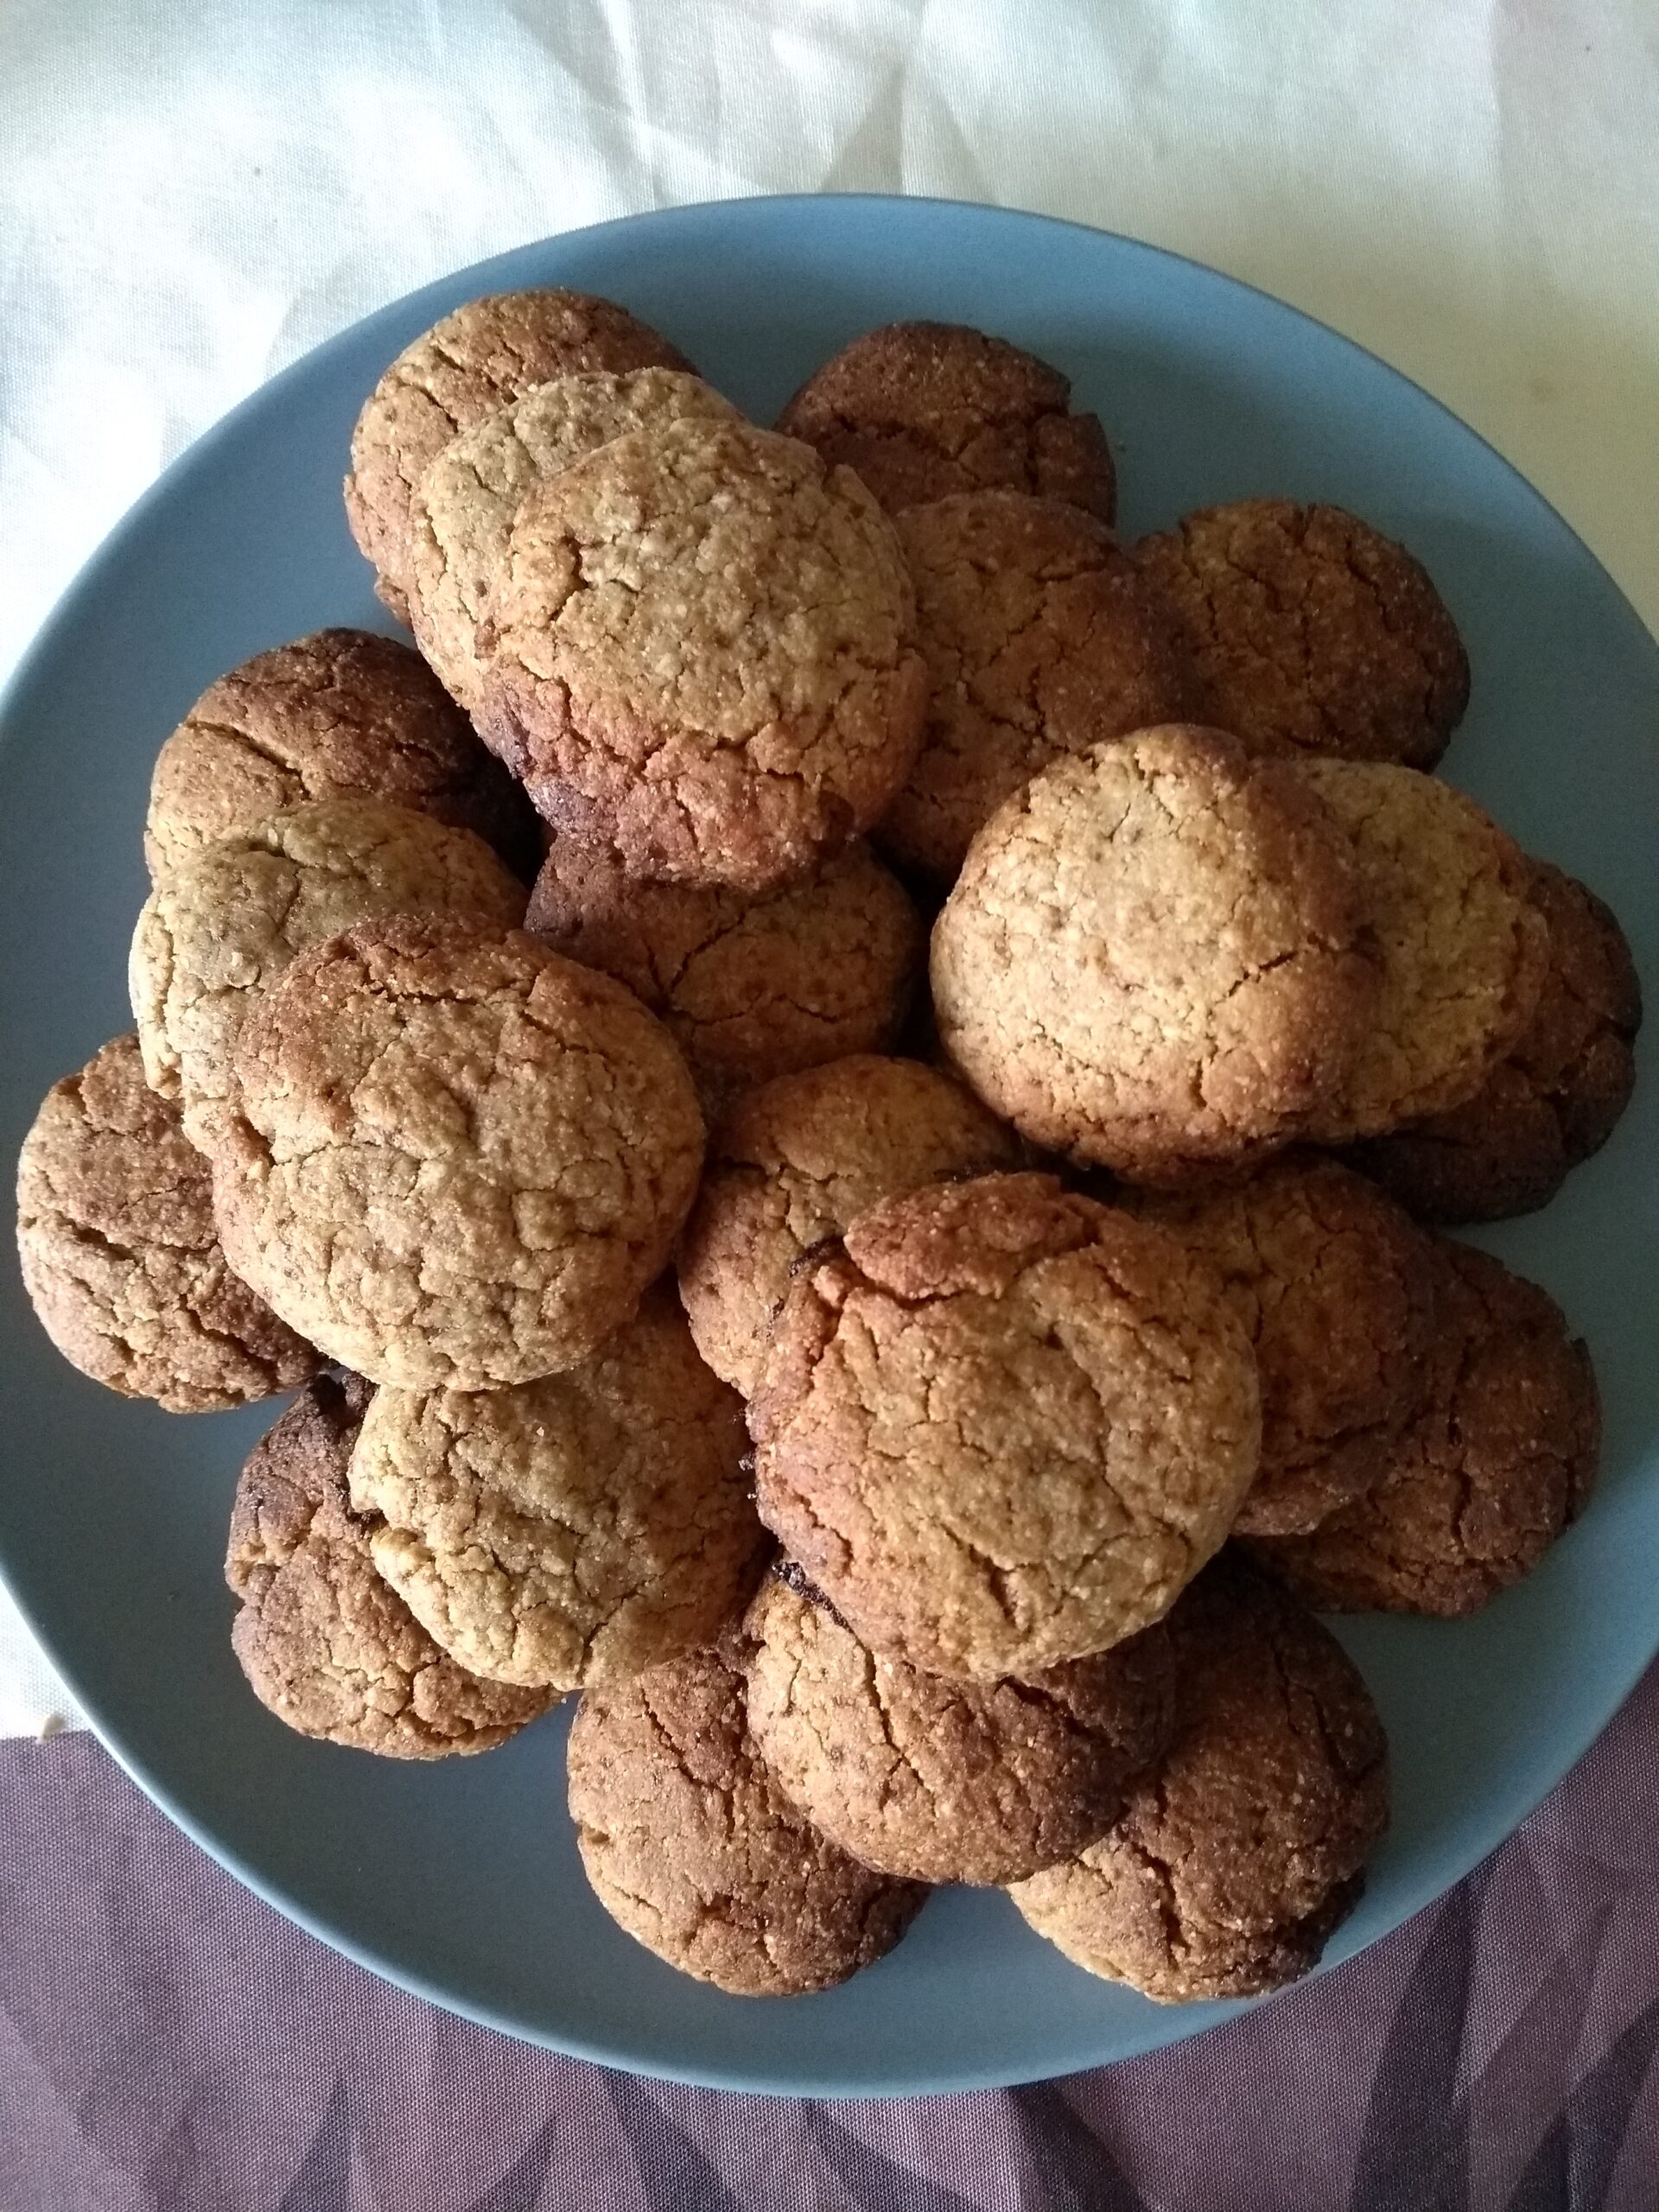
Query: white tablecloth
193	194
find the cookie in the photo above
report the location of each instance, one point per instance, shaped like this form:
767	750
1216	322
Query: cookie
459	1159
120	1257
1553	1101
1313	629
692	1847
794	1163
925	410
941	1781
1004	1425
1240	1850
342	714
475	361
1462	949
749	987
702	644
1335	1289
571	1532
1040	637
1503	1457
1154	955
219	929
326	1644
461	514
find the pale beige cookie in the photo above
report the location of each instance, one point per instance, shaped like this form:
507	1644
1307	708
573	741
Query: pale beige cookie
120	1256
942	1781
1240	1850
704	643
475	360
1041	637
692	1847
574	1531
794	1163
1004	1425
461	515
220	929
1153	957
748	987
1462	950
460	1160
342	714
326	1644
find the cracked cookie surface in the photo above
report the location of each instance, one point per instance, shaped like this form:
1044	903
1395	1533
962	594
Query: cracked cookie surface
1004	1425
459	1158
120	1256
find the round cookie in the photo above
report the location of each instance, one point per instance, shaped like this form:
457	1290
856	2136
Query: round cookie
342	714
119	1254
702	652
1040	637
1313	629
475	360
1462	949
1239	1852
1004	1426
324	1642
941	1781
794	1163
925	410
574	1531
1556	1097
219	929
1335	1288
1503	1457
461	515
748	987
1154	955
460	1160
690	1845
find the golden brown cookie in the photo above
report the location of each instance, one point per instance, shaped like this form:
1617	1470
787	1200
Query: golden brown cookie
342	714
1242	1848
702	652
924	409
690	1845
1335	1288
748	987
325	1644
460	1160
1041	637
1314	630
1503	1457
1004	1425
1556	1097
941	1781
576	1531
120	1256
220	929
1462	949
475	360
794	1163
461	515
1153	957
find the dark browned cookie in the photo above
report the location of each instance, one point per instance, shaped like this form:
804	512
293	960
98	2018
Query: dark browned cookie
1314	630
1554	1101
922	409
1503	1457
325	1643
1240	1850
692	1847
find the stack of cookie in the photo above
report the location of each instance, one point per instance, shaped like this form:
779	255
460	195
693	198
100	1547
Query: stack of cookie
882	1545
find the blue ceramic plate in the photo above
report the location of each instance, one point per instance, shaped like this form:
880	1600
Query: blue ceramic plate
461	1881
